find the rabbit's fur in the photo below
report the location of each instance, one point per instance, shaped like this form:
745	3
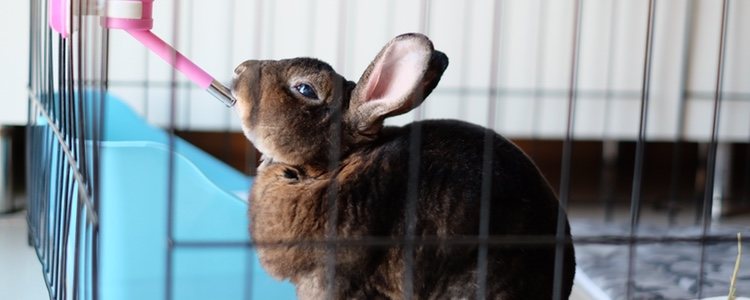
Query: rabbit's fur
331	171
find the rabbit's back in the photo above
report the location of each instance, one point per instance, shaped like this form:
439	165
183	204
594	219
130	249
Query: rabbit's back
451	159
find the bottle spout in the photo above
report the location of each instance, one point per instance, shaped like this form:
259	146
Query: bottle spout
222	93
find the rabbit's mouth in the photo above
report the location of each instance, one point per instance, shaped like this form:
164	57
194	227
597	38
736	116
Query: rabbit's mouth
233	84
236	78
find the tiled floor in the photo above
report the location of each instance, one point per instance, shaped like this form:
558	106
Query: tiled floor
20	271
662	270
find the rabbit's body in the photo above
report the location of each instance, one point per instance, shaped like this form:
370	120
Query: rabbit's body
448	193
338	189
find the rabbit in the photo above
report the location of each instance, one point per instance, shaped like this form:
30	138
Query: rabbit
331	171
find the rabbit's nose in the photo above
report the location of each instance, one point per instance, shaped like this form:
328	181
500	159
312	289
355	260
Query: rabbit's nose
243	66
239	69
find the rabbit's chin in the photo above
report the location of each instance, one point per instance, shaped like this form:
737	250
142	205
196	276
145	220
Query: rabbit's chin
250	135
267	154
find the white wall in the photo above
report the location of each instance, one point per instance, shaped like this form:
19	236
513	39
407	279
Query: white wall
14	21
219	34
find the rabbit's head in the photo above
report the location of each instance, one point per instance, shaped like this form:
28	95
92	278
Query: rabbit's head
297	111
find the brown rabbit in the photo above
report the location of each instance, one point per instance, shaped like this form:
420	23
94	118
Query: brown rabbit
385	206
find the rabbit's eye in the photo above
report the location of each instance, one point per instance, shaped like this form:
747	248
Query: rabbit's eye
306	90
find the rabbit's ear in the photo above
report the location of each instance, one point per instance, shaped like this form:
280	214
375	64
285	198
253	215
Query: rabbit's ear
405	71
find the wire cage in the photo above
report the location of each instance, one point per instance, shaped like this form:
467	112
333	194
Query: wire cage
636	112
62	135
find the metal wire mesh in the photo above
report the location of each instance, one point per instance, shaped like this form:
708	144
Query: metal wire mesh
66	83
69	77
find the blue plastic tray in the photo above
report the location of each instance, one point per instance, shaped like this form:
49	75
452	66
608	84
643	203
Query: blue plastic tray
133	219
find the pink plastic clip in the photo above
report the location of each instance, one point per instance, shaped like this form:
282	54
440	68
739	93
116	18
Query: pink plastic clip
59	16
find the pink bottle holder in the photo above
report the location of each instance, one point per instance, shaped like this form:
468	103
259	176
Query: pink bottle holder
59	10
134	17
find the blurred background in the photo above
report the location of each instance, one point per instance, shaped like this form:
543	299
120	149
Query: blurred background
526	73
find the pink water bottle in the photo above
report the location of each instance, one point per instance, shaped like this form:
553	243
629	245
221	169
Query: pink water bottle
134	17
